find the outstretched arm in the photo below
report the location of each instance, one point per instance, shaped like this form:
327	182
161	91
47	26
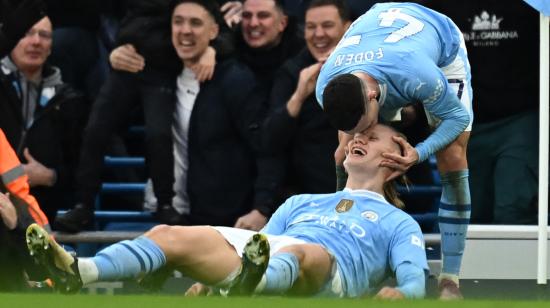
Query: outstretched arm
411	280
411	283
408	259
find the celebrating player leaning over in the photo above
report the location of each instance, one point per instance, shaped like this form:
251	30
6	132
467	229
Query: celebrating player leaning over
340	244
394	55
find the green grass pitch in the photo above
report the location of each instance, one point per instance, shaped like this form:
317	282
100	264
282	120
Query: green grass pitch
154	301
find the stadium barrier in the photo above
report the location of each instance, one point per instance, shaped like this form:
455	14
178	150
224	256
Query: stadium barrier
495	252
108	237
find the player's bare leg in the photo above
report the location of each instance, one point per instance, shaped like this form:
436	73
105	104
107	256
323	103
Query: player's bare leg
315	268
199	252
300	269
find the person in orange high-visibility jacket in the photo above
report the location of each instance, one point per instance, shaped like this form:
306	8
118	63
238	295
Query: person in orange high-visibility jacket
14	181
16	265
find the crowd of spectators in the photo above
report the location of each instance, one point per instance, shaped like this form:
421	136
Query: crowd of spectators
231	132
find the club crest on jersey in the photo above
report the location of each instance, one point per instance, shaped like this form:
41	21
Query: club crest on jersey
370	215
344	205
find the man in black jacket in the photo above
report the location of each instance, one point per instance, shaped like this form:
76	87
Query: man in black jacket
267	38
41	116
221	167
296	125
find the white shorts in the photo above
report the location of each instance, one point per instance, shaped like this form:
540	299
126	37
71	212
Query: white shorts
239	237
458	76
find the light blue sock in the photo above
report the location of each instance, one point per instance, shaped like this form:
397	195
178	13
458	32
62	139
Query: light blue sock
281	273
129	259
454	217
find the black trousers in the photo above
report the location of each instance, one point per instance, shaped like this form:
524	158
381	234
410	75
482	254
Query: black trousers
118	96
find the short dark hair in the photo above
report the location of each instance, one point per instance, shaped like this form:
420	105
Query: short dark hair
341	5
344	101
279	4
211	6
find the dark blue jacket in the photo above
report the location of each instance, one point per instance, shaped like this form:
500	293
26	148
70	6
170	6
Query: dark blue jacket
308	141
229	173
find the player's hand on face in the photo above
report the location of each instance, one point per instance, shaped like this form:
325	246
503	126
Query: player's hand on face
204	69
400	163
198	289
7	211
126	58
389	293
252	221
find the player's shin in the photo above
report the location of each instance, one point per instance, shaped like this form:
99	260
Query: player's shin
454	217
129	259
281	273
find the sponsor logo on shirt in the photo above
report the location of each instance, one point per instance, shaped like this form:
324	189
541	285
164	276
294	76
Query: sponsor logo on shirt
334	222
436	93
344	205
370	215
314	204
415	240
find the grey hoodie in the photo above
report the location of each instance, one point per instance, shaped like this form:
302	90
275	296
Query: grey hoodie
29	92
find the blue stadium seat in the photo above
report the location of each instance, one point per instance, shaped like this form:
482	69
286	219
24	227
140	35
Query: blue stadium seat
121	216
110	161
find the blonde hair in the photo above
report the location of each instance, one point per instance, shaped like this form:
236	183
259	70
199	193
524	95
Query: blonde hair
390	191
390	188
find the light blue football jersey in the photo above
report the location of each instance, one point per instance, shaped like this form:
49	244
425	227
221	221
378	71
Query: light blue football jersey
403	46
368	236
